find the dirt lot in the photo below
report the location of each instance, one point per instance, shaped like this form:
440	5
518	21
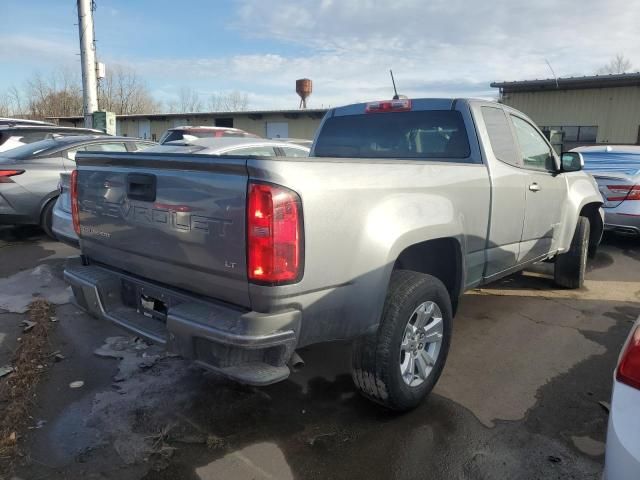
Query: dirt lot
519	398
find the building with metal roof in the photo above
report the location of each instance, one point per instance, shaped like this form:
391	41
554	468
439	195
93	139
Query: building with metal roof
265	123
574	111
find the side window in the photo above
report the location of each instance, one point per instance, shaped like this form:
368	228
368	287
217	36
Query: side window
106	147
71	154
262	151
500	136
143	146
536	154
294	152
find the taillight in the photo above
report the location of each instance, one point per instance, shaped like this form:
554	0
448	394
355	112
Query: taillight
75	208
274	234
5	175
619	193
629	368
399	105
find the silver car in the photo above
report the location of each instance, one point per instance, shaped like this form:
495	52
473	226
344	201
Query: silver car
29	174
622	461
616	168
14	135
63	223
233	146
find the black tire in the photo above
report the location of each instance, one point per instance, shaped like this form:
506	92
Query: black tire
46	218
571	266
375	358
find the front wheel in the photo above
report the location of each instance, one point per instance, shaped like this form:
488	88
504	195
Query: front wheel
401	363
571	266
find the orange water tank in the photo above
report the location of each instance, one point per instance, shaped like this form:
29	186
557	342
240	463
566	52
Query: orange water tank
304	87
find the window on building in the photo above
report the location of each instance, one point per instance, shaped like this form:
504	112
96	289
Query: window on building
588	134
573	133
224	122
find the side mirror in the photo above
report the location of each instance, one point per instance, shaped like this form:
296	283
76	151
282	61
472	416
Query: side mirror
572	161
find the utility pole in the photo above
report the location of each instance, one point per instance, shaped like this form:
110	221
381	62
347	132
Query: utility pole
88	60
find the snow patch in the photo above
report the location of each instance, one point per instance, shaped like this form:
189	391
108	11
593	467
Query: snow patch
22	288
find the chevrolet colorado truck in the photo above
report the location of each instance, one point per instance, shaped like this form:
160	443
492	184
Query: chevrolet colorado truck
237	262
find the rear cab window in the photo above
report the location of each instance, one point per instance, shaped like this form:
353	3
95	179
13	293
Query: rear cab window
421	134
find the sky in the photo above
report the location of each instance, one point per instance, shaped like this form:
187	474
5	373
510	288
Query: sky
436	48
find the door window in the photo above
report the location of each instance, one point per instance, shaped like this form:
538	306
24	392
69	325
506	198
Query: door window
143	146
536	153
261	151
294	152
106	147
71	154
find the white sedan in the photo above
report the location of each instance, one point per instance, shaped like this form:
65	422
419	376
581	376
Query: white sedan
622	461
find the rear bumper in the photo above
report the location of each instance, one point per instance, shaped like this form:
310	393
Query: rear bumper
625	218
249	347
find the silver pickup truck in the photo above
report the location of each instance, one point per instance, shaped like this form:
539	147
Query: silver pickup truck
236	262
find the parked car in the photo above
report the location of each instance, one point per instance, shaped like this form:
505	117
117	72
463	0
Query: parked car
233	146
29	174
178	133
62	221
616	168
22	121
236	262
13	136
622	458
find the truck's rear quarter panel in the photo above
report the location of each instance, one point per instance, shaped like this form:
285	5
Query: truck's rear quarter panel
359	215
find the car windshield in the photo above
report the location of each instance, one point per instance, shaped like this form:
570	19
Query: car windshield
417	134
31	149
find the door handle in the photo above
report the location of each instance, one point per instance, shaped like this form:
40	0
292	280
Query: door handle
141	186
534	187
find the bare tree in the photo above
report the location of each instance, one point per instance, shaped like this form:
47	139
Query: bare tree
618	64
188	100
59	94
236	101
228	102
122	91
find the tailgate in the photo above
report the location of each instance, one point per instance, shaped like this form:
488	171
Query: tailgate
174	219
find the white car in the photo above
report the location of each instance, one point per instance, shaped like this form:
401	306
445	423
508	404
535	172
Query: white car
622	461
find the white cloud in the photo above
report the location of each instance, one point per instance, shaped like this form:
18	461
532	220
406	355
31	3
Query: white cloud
435	47
17	48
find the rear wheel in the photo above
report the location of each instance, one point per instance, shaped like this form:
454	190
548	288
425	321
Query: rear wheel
571	266
46	218
401	363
